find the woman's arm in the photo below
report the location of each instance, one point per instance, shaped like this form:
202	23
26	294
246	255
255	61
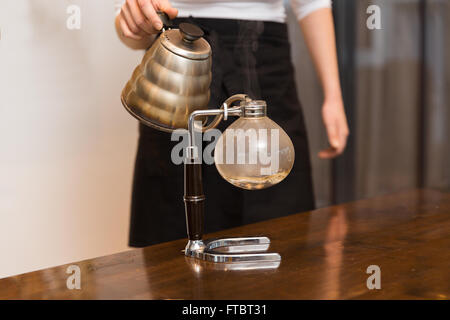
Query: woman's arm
318	31
138	23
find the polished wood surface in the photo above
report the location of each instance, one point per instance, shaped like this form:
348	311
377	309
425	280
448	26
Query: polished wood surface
325	255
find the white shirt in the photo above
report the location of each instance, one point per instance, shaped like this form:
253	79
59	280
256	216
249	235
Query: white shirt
265	10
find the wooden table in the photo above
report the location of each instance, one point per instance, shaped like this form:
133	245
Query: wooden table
325	255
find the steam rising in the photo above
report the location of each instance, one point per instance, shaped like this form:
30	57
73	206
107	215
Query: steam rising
246	48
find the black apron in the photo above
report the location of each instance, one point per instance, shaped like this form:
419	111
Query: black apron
251	57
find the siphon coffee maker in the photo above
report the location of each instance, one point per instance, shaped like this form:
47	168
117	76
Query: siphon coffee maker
169	90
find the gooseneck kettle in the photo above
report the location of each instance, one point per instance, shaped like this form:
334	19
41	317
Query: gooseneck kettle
172	80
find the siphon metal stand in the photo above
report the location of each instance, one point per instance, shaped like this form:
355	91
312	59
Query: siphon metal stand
251	251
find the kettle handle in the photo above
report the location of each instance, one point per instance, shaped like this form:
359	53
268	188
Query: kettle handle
167	23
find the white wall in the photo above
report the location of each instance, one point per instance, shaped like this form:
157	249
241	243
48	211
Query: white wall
67	146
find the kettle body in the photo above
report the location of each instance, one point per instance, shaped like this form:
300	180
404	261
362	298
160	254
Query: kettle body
172	80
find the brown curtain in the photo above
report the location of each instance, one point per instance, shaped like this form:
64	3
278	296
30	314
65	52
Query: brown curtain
437	95
402	103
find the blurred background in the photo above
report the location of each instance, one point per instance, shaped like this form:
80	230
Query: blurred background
67	146
396	86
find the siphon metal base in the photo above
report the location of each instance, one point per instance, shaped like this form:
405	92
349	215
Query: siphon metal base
233	250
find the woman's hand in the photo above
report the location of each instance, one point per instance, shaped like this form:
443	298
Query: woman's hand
138	22
335	122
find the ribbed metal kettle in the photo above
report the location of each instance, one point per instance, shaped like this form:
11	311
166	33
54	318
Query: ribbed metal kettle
172	80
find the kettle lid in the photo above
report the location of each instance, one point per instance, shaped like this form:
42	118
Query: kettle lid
187	42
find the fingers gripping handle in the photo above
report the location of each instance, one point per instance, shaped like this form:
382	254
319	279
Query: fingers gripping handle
167	23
